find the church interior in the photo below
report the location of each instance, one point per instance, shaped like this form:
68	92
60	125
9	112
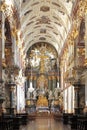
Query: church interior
43	64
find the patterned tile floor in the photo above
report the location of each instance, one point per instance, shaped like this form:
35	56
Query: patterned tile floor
45	124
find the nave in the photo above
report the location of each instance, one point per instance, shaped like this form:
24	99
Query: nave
43	64
45	124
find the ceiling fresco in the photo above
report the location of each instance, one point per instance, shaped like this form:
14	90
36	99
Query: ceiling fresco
45	21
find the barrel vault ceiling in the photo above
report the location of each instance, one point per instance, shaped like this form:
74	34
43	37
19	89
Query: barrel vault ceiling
45	21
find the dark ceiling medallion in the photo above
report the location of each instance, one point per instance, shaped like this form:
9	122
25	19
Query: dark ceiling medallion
42	38
43	20
45	8
42	30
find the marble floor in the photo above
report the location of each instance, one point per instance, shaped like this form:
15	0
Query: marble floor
45	124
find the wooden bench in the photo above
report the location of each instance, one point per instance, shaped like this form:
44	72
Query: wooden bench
24	117
15	119
6	124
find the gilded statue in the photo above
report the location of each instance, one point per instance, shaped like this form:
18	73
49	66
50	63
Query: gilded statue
42	101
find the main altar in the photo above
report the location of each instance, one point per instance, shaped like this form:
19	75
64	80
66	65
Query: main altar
42	105
43	91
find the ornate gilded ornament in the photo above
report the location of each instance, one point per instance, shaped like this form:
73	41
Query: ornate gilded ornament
14	31
85	6
3	7
81	51
42	101
85	62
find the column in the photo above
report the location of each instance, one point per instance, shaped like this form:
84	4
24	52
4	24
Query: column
26	88
72	98
49	83
12	107
1	39
76	90
14	48
86	59
34	83
28	82
54	82
1	52
86	90
86	37
3	36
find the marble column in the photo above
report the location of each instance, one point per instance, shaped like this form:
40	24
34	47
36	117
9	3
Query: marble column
1	52
86	59
11	96
76	90
54	82
34	83
49	83
26	88
27	82
72	99
14	49
1	44
86	89
11	88
3	36
0	59
86	36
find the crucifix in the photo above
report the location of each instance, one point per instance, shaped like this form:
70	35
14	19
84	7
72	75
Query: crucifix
42	60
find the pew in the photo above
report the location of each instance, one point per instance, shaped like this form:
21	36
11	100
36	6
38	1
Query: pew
6	124
67	118
24	117
16	121
78	122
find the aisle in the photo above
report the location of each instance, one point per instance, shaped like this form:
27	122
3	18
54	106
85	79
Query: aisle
45	124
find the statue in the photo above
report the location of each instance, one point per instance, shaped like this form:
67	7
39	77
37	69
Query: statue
50	95
42	101
56	93
30	91
28	94
34	94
